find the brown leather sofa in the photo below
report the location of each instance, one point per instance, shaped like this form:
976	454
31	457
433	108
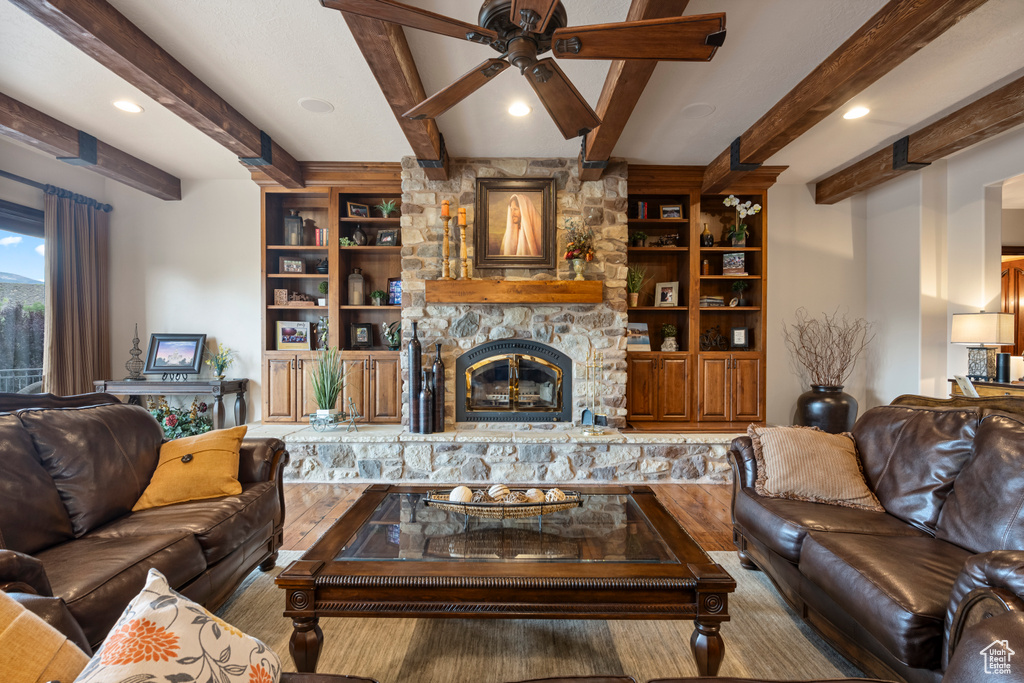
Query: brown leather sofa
893	590
72	470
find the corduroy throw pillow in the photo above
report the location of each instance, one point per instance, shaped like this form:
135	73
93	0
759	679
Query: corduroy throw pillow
805	463
195	467
32	651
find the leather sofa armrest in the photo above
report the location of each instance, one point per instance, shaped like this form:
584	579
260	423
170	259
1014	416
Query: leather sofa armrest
744	466
967	666
23	573
991	582
261	459
54	611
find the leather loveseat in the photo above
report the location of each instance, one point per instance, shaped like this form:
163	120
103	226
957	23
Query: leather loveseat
72	470
893	590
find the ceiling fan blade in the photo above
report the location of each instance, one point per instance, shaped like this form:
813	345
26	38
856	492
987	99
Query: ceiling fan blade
413	17
467	84
566	106
683	39
532	15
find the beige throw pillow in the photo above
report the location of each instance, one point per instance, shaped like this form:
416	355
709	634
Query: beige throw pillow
32	651
805	463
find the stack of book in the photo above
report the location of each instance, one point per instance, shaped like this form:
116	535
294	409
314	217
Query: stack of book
712	301
641	209
320	235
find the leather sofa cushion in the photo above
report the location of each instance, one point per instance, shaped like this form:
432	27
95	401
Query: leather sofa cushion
220	525
32	516
98	576
984	510
912	455
783	525
100	458
897	588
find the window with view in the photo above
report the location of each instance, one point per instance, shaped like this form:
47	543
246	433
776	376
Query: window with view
21	309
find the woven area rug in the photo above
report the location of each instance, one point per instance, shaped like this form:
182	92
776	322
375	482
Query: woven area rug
763	639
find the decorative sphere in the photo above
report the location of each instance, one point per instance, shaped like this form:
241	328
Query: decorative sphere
554	495
460	494
535	495
498	491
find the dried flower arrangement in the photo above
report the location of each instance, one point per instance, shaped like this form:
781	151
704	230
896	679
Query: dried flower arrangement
827	347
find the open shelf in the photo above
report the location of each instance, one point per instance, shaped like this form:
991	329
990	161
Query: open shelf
370	307
653	222
296	276
301	247
356	219
372	248
660	309
729	309
726	249
298	308
730	277
649	249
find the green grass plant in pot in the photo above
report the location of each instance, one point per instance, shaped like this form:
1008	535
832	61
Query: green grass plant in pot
328	379
378	296
636	277
639	238
827	349
387	207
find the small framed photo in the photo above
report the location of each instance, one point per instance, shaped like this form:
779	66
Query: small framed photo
734	264
671	212
739	338
360	335
387	238
394	291
358	210
174	353
292	334
666	294
288	265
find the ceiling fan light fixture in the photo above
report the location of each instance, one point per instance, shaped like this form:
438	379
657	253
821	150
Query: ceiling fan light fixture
128	106
856	113
519	109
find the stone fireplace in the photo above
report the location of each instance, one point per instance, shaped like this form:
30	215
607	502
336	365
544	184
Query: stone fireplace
513	380
571	329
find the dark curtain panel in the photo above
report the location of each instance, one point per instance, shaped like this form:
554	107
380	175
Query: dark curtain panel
77	347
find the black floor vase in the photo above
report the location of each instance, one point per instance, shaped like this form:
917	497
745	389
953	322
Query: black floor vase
827	408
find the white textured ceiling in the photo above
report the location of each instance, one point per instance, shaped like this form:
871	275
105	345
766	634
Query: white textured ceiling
262	56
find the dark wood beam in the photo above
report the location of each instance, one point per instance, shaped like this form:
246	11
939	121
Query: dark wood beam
894	33
981	119
99	30
623	86
32	127
387	53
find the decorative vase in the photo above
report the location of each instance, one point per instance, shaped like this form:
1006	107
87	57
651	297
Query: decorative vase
358	236
321	267
378	302
426	403
415	364
356	284
738	241
669	344
577	266
827	408
221	376
634	299
706	238
438	390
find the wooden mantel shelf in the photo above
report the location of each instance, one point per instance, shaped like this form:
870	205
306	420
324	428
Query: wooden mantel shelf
514	291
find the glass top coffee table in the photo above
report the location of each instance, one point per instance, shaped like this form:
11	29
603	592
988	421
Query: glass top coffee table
620	555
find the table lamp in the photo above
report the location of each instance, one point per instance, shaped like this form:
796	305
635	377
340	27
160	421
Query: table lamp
978	330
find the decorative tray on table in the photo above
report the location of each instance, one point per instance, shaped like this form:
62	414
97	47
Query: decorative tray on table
500	502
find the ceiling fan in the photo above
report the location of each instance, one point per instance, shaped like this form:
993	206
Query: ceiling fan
523	29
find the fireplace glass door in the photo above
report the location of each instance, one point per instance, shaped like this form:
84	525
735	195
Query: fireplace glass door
513	382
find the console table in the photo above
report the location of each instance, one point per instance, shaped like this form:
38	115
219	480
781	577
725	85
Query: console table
990	388
215	387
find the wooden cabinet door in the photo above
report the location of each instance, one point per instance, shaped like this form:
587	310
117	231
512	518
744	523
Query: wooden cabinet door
713	388
746	389
306	403
356	384
674	388
385	399
279	390
642	387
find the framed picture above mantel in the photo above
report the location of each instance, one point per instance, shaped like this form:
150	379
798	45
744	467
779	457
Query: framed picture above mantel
515	223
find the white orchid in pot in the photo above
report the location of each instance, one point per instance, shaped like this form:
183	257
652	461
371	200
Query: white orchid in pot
737	232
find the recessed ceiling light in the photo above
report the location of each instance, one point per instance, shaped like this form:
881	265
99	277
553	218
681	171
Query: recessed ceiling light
697	110
130	107
519	109
856	113
317	106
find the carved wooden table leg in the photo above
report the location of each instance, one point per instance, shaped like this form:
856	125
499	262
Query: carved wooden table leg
305	643
240	408
708	647
218	412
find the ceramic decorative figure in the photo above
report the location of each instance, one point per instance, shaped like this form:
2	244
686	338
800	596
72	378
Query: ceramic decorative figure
358	236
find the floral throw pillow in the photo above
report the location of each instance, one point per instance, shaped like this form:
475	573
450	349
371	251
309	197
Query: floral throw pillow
163	636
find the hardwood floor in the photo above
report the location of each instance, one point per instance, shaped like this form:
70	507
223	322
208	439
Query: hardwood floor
702	509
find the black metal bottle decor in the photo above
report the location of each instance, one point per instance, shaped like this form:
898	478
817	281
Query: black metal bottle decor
415	365
438	391
426	404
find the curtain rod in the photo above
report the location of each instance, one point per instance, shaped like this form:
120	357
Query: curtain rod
59	191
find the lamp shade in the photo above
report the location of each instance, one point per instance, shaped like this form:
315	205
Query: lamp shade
982	328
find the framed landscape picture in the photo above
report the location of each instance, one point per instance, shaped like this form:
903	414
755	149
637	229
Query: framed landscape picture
672	212
174	353
734	263
515	223
387	238
292	334
361	335
638	338
358	210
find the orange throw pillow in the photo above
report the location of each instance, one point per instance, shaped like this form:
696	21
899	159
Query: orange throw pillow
31	650
196	467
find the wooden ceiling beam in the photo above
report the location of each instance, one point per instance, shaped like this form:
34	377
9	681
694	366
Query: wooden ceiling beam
623	86
387	53
99	30
981	119
894	33
21	122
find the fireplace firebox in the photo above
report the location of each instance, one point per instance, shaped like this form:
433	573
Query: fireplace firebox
513	380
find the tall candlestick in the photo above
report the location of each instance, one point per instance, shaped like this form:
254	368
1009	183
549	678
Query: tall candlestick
463	256
462	215
444	208
445	273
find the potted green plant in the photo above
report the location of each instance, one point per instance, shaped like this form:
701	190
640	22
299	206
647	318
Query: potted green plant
392	334
740	286
322	288
668	337
636	276
738	232
387	207
378	296
327	378
639	238
346	242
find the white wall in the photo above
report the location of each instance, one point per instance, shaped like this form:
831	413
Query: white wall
1013	227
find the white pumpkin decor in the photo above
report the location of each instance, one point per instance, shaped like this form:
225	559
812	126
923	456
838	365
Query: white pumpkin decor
498	491
460	494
